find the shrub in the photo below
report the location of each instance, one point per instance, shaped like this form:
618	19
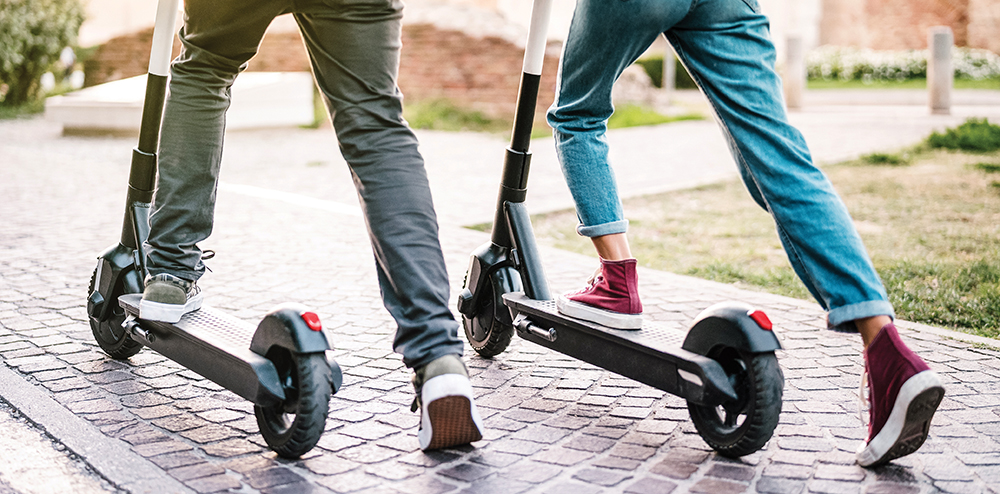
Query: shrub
974	135
32	33
654	67
833	62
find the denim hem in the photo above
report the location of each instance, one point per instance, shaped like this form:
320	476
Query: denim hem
620	226
433	354
851	312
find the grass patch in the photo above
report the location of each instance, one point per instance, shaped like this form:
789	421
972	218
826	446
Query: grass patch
975	134
906	84
632	115
443	114
931	228
892	159
987	167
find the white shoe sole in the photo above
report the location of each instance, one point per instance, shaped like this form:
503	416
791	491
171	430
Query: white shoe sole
600	316
448	414
909	422
171	313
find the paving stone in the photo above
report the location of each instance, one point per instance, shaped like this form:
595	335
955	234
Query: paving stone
215	483
368	453
493	458
832	486
177	459
230	448
572	488
563	456
196	471
468	472
649	485
731	472
592	444
601	476
778	485
531	472
490	486
891	488
209	433
541	434
617	463
261	479
712	486
788	471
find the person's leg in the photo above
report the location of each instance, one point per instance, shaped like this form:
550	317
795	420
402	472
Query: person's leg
604	39
217	39
354	50
725	46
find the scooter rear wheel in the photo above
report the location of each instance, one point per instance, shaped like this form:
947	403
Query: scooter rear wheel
490	330
741	427
292	427
109	333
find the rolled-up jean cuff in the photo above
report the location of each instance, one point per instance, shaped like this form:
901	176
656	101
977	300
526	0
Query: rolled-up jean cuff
620	226
851	312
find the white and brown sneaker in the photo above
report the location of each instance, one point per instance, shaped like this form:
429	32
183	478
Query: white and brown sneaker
448	415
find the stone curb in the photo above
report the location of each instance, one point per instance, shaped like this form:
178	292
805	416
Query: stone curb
109	457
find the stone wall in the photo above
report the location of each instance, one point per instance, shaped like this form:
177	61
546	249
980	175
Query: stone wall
480	73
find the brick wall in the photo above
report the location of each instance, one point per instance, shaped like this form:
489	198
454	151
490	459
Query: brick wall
481	73
904	24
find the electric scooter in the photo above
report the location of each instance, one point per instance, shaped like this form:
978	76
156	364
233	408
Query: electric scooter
724	365
282	366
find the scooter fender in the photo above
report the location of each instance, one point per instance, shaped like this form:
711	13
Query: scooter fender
485	261
732	324
287	327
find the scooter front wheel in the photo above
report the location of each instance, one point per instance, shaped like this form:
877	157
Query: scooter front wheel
741	427
491	328
109	333
292	427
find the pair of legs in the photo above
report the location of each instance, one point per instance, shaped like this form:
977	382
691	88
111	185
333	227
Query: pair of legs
725	46
354	52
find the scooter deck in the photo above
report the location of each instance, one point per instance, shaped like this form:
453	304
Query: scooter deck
651	355
212	344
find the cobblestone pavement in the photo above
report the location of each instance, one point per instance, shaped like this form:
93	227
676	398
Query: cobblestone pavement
555	425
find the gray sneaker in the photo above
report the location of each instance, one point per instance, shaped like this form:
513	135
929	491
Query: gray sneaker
167	298
448	414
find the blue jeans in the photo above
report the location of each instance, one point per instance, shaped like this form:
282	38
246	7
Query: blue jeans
353	46
725	46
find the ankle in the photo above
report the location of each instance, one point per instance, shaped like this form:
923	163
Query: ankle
869	327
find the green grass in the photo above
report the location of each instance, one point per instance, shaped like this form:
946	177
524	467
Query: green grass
634	116
932	229
977	135
907	84
892	159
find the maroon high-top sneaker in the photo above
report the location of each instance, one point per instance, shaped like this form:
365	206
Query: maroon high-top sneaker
611	298
903	393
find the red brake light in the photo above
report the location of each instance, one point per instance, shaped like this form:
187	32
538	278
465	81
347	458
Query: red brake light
761	319
312	320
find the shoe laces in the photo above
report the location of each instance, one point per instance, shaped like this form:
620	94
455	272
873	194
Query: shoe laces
864	400
206	255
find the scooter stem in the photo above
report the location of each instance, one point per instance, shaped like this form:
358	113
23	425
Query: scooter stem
514	181
142	175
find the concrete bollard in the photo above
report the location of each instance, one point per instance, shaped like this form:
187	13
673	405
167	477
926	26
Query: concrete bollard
940	74
669	71
795	71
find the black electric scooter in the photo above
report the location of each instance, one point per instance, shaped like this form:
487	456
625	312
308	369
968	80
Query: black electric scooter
724	365
282	366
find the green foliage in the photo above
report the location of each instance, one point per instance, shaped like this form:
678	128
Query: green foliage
987	167
443	114
975	134
634	115
893	159
947	294
654	68
32	33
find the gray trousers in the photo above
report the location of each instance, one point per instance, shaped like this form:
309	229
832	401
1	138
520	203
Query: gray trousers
353	46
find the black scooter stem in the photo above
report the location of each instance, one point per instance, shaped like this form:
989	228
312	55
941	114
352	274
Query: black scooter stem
514	181
142	174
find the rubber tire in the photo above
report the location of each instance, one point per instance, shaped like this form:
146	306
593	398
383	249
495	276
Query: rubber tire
120	345
758	381
489	332
306	382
